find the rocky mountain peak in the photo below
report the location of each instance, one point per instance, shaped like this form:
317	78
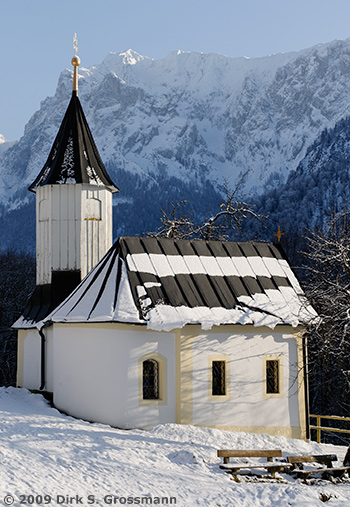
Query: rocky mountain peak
192	118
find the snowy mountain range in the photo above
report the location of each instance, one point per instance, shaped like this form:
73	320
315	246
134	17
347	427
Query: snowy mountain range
176	127
317	189
5	144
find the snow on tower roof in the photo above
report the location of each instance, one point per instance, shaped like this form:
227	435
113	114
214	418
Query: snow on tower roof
167	283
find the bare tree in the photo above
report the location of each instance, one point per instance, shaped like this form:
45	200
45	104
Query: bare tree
328	290
177	222
233	210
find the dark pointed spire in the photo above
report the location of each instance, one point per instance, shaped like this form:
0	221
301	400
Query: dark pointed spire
74	157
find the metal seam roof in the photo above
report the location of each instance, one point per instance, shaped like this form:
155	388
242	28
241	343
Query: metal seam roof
168	279
74	157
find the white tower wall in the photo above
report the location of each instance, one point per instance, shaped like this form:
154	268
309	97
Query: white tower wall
73	228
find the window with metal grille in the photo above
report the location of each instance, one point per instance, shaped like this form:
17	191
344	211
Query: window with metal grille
272	377
150	379
218	378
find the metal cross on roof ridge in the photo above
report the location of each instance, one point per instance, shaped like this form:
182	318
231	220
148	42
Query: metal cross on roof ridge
279	234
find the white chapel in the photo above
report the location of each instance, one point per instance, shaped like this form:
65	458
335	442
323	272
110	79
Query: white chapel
154	330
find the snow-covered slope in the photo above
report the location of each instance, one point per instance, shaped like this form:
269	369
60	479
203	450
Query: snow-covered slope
5	144
43	452
192	116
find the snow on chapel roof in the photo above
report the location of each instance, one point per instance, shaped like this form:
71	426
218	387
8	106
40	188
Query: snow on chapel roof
74	157
168	283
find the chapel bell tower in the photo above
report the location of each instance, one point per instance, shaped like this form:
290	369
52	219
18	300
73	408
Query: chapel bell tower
73	205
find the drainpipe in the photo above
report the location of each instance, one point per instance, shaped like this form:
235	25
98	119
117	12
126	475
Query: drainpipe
43	358
306	386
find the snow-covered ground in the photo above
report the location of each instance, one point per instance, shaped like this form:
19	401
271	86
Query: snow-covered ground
46	456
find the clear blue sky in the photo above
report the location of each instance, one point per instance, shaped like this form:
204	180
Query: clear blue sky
36	37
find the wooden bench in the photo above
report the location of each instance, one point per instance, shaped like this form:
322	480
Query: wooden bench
324	459
271	468
268	454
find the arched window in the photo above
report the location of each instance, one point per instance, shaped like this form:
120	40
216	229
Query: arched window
93	209
44	210
150	379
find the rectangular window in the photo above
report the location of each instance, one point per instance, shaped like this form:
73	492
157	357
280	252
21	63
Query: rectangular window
150	380
272	377
218	378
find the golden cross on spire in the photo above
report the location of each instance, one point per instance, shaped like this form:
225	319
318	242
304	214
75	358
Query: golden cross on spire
75	44
279	234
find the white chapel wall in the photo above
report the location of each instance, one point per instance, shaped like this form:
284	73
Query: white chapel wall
96	376
49	359
96	373
30	343
247	405
29	359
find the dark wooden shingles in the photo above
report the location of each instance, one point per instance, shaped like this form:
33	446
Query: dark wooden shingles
156	292
221	283
223	289
217	248
188	283
213	294
181	289
206	291
192	296
151	245
174	296
248	250
252	285
131	245
203	289
266	283
281	281
264	250
168	246
237	286
232	249
200	248
134	280
277	251
215	291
